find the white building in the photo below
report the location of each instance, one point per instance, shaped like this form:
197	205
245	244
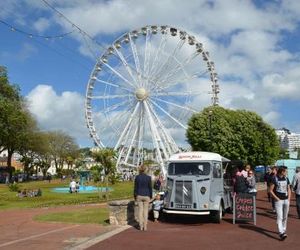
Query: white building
293	141
288	140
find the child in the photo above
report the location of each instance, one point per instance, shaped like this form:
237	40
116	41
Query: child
157	205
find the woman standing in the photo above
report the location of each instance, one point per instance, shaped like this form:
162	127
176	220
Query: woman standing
143	194
281	192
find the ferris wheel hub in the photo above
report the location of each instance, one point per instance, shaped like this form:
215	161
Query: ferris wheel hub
141	94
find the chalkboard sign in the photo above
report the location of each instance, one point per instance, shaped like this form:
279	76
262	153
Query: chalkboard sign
244	208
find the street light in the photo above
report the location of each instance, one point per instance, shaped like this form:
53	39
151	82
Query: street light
210	113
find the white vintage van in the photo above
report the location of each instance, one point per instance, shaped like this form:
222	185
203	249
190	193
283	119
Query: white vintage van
195	185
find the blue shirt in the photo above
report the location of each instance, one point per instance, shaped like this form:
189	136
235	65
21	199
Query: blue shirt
143	185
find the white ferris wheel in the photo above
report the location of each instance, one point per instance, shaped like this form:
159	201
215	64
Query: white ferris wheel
142	91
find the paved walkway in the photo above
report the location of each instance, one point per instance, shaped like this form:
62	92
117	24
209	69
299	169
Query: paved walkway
18	230
200	233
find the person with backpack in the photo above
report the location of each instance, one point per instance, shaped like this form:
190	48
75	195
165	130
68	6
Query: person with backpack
281	192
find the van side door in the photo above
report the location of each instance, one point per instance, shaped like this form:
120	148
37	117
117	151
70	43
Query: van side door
216	186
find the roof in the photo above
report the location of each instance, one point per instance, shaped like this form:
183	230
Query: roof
197	156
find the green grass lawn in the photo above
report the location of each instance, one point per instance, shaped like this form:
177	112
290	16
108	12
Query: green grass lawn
9	199
87	215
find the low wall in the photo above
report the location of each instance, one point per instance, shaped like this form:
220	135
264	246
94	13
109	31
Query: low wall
122	212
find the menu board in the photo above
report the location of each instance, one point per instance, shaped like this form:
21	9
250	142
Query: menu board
244	208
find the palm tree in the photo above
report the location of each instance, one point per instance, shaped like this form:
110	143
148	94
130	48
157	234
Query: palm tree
106	158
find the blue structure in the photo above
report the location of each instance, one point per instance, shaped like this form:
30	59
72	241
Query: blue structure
291	164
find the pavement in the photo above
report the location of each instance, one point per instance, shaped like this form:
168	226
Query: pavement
18	230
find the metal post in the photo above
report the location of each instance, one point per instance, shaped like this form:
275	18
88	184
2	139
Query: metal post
210	113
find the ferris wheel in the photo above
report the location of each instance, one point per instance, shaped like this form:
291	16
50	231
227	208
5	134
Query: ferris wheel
142	91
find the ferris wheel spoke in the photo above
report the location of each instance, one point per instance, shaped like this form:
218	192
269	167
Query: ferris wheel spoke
127	125
178	68
161	134
184	93
130	145
126	65
154	133
113	84
141	126
180	81
135	56
115	106
162	44
176	105
119	117
167	139
169	115
110	96
120	75
147	54
166	65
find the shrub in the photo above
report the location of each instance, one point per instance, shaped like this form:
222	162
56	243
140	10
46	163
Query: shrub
14	187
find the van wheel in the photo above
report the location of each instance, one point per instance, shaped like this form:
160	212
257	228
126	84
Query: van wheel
218	214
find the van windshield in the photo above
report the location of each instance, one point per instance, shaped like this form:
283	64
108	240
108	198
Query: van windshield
189	168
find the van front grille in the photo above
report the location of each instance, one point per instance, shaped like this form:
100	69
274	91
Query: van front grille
183	193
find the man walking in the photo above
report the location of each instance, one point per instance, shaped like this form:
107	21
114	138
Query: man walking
296	188
143	194
281	192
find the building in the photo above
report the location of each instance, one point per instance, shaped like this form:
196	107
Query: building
289	141
15	161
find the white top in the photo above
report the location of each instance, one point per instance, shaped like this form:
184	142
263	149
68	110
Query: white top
196	156
73	184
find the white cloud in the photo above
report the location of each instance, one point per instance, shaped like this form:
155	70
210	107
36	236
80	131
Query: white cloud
282	86
58	112
272	118
41	24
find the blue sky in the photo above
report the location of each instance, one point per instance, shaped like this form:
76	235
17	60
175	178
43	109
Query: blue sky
254	44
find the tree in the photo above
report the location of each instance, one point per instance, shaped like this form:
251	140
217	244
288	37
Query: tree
16	123
106	158
63	148
284	154
236	134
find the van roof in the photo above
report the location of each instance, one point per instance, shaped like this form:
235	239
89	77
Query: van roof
197	156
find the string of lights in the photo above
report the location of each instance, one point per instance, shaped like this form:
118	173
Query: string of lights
31	35
81	31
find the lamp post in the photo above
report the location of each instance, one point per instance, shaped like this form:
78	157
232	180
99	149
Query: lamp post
210	113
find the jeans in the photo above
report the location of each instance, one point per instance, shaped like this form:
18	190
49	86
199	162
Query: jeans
298	204
143	207
282	210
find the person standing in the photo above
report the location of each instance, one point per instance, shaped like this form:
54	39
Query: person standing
245	171
72	186
251	183
296	188
281	192
267	179
239	183
143	194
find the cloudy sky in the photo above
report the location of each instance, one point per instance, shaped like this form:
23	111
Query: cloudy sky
255	46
